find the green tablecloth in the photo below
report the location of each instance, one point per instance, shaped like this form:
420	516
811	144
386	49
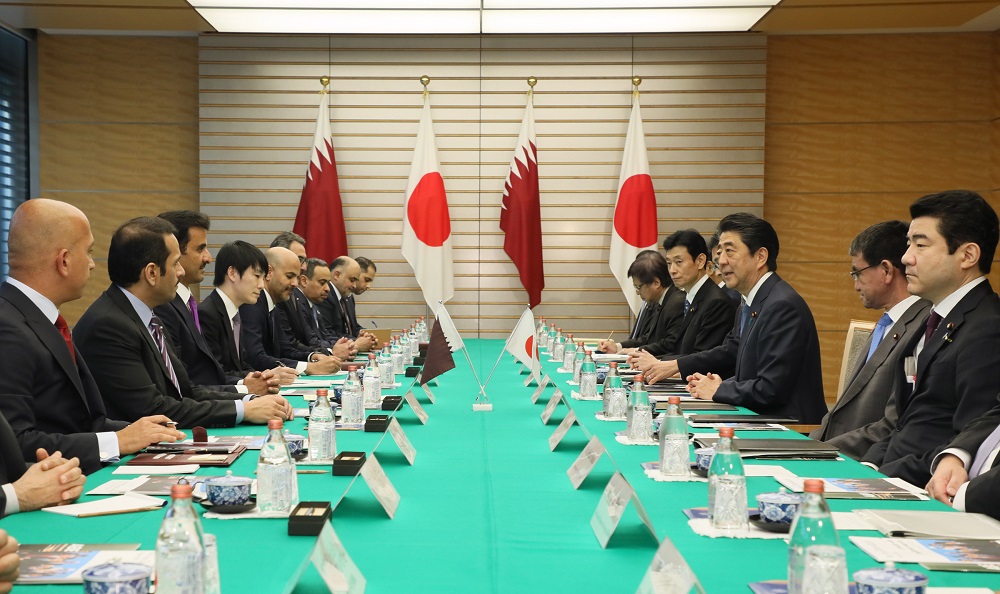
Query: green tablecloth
485	508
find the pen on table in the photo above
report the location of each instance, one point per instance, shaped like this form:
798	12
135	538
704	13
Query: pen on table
119	511
309	471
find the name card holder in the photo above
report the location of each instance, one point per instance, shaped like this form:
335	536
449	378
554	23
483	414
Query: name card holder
416	406
402	442
550	408
380	485
562	430
334	565
616	497
669	573
585	463
427	392
541	387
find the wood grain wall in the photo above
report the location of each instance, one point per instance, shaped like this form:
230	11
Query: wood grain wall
857	128
119	132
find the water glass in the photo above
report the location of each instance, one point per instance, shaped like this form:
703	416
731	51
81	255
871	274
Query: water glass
826	570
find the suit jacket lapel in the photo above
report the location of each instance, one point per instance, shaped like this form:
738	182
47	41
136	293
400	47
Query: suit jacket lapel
47	334
758	303
125	305
235	357
946	328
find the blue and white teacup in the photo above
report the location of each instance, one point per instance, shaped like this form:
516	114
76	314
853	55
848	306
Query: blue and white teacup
117	577
703	457
228	490
779	507
890	580
296	443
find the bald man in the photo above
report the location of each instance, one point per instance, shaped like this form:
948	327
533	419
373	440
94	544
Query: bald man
264	343
48	395
345	274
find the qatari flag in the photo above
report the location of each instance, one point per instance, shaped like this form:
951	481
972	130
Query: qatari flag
320	218
634	227
521	211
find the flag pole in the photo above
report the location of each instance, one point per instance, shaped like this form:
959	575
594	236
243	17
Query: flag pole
482	389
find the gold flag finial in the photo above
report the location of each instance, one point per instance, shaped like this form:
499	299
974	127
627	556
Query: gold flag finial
532	81
325	81
425	80
636	81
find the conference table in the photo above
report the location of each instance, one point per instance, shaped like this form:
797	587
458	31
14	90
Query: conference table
486	506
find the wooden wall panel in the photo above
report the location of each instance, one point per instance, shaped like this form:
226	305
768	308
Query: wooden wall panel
857	128
119	132
702	104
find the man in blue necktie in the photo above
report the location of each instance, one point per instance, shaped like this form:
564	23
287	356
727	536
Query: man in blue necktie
864	413
949	374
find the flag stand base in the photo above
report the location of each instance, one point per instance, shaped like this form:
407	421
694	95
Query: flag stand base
482	406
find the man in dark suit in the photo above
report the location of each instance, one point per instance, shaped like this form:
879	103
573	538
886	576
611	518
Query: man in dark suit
770	359
948	375
48	395
264	343
664	305
966	473
708	311
182	320
865	412
314	287
54	480
368	271
133	361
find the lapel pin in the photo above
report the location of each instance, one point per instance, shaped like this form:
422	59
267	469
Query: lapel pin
895	336
947	337
753	314
950	326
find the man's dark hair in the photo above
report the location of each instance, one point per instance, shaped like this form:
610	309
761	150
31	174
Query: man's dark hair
285	239
690	239
365	264
240	256
962	217
711	244
649	267
311	264
755	233
134	245
183	220
882	241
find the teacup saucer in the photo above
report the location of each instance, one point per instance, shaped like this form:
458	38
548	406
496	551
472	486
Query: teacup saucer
770	526
228	509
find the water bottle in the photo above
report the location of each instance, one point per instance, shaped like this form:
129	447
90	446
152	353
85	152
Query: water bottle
372	385
414	343
675	460
180	547
639	419
322	428
812	526
615	397
578	358
550	338
396	352
385	366
588	377
727	486
424	334
569	353
540	330
404	348
352	405
277	483
559	348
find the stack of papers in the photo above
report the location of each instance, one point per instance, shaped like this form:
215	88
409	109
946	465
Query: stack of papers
862	488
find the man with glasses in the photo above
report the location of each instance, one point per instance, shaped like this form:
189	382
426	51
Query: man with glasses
948	375
664	304
865	412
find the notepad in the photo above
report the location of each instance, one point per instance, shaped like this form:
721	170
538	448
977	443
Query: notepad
122	504
932	524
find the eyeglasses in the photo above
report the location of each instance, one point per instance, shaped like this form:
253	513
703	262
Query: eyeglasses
856	273
639	286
